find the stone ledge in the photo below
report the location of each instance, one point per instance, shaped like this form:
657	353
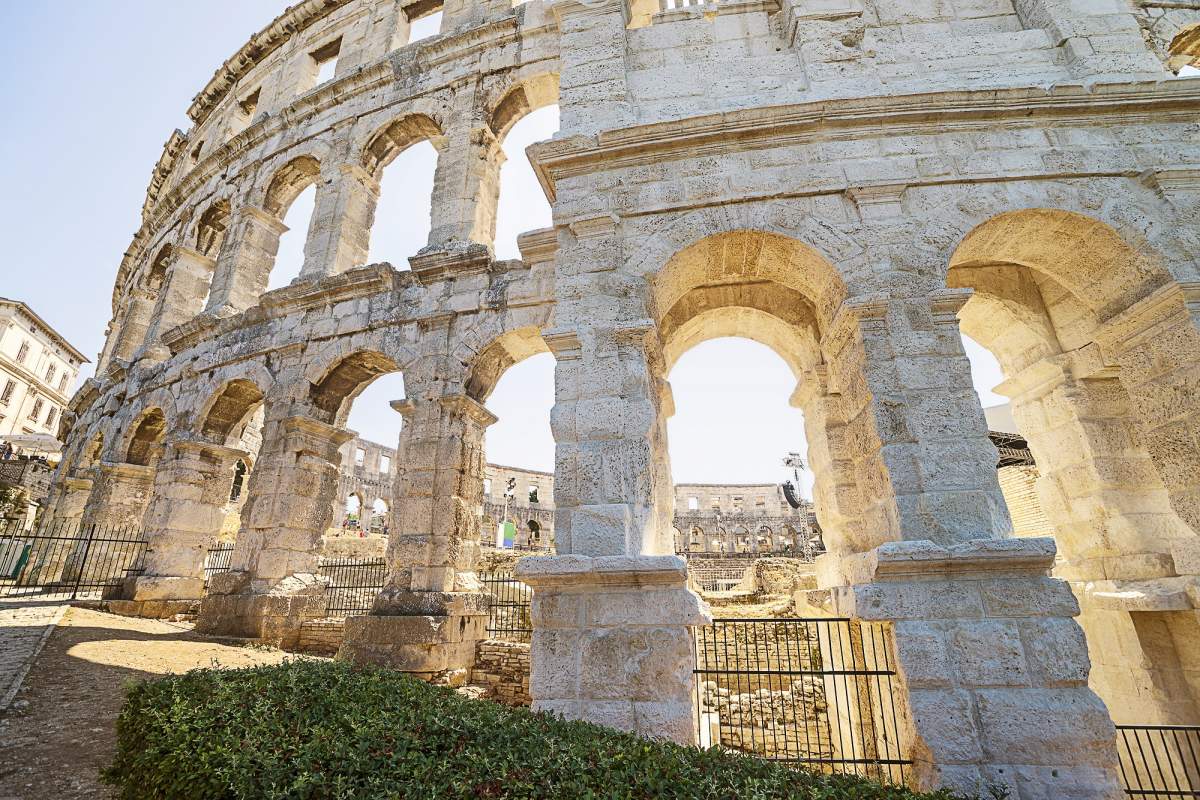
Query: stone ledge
925	560
606	571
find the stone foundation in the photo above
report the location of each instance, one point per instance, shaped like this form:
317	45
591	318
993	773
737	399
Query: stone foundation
992	666
502	669
437	636
273	618
611	641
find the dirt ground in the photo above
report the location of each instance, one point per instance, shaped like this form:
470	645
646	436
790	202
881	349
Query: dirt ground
59	731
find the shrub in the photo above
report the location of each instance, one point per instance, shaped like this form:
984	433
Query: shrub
310	729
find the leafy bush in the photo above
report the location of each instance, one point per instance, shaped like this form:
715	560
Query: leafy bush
309	729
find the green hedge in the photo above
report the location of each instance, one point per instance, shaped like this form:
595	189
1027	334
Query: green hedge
311	729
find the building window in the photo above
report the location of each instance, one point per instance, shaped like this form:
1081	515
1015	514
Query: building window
325	61
385	464
715	504
487	487
50	370
62	383
36	411
693	504
22	352
360	456
51	415
737	502
533	496
7	394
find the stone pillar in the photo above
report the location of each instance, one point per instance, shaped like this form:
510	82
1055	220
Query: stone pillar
611	643
182	297
992	669
273	585
431	611
594	83
466	188
120	495
934	475
191	490
139	312
68	499
339	237
244	269
611	617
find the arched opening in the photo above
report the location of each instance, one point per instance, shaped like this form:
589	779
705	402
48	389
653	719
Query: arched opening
145	442
233	418
353	515
1184	51
402	157
527	114
291	199
379	517
514	378
1045	286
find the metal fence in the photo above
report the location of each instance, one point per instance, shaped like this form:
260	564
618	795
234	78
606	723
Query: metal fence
816	693
509	603
218	559
353	584
68	560
1160	761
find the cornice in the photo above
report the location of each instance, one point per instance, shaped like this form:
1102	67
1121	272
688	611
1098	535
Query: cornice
781	126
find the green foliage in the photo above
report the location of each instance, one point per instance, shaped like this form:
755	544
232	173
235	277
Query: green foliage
310	729
13	501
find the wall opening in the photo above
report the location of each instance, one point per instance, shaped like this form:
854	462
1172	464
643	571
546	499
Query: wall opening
289	261
522	205
402	216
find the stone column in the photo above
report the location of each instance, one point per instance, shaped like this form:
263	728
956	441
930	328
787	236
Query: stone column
120	495
244	268
139	312
339	237
594	83
68	499
992	669
273	585
611	616
910	391
466	188
191	490
431	611
182	297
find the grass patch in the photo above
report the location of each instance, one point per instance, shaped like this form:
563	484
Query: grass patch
315	729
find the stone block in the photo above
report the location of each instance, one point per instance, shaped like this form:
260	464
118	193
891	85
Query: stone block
944	723
988	653
1045	727
1028	597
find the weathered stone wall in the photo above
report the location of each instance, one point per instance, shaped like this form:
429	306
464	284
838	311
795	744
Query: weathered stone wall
502	668
844	182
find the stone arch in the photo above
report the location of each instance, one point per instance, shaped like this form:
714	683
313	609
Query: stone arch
1085	256
396	136
786	295
228	408
288	182
1091	331
143	443
493	359
156	272
333	393
1184	49
212	226
530	93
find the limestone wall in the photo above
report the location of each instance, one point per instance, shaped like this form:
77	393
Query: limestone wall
502	669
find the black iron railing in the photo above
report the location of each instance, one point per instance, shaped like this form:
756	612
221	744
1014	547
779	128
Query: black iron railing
812	692
509	603
218	559
1159	761
68	559
353	584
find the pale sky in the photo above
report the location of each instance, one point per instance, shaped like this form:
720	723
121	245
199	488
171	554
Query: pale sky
92	90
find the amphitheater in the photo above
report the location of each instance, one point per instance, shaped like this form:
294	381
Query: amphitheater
850	182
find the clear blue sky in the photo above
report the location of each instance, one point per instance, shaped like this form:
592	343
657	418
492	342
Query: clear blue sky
93	88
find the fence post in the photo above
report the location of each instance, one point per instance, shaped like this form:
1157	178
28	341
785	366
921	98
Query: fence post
87	549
